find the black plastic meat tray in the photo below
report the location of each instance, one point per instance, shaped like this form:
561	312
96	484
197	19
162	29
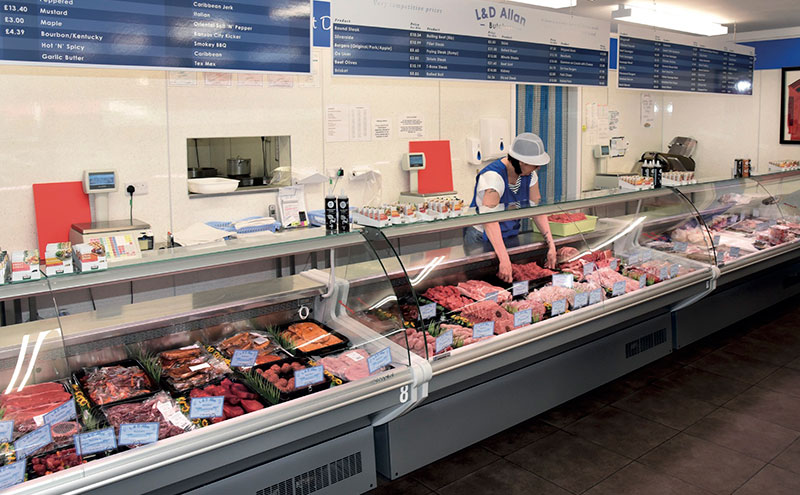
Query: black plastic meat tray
80	374
307	362
184	400
166	381
344	344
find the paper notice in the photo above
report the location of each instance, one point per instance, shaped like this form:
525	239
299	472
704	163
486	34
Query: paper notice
613	120
648	115
250	79
411	126
360	121
337	125
218	78
182	78
280	81
311	80
382	129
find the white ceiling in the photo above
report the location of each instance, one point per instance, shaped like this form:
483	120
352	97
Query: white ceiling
749	15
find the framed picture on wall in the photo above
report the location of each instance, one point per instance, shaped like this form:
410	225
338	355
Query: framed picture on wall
790	105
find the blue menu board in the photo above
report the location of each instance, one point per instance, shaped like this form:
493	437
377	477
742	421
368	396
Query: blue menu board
257	35
468	39
674	62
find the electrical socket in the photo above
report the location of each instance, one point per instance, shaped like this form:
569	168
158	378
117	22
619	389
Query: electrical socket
141	188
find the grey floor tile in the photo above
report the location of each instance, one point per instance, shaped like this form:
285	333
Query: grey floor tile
691	353
761	349
638	479
568	461
661	406
783	380
502	478
612	392
744	433
650	373
516	437
744	368
771	480
400	486
702	463
790	458
785	334
621	431
571	411
767	405
699	384
453	467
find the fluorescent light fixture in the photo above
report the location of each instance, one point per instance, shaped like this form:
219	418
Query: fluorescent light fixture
675	19
553	4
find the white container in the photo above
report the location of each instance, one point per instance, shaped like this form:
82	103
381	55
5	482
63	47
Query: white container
212	185
494	136
90	257
58	258
25	265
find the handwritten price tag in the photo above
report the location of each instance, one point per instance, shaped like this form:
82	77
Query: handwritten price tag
12	474
243	358
559	307
64	412
581	299
522	318
673	271
619	288
563	280
595	296
613	264
33	441
428	311
588	268
96	441
520	288
680	247
379	360
138	433
309	376
716	240
642	281
735	252
444	341
492	296
6	430
207	407
483	329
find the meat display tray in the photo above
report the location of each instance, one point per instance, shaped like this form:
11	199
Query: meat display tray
80	374
184	399
166	381
31	474
307	362
344	344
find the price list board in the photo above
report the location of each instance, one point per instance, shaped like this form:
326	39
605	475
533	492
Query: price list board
674	62
251	35
468	39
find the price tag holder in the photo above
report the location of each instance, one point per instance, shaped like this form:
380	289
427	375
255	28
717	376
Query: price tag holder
138	433
33	441
716	240
428	311
720	258
520	288
96	441
379	360
6	430
581	299
642	281
559	307
563	280
619	288
588	268
673	271
444	341
680	247
762	226
492	296
207	407
523	317
12	474
735	252
244	358
483	329
309	376
663	274
595	296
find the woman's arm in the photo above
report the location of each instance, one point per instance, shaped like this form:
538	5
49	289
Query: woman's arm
490	200
544	227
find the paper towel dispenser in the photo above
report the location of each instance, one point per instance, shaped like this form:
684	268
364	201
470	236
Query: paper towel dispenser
494	135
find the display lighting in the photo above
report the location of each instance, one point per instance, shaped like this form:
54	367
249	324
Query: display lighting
678	20
743	86
553	4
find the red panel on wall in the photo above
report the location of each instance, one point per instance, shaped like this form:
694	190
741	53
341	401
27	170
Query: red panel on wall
58	206
438	174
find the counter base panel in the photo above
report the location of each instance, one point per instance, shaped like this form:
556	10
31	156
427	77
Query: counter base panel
342	466
735	301
444	426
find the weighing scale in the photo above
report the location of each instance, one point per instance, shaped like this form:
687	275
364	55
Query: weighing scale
413	163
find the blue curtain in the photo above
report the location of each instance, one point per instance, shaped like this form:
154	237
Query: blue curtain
543	111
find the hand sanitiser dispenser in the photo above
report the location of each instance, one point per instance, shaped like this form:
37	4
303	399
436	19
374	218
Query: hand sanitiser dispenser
494	135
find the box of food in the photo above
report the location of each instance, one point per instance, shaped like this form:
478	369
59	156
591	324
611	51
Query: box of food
90	257
58	258
568	228
5	268
25	265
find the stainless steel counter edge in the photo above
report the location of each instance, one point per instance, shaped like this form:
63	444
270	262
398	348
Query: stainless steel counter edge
176	449
728	269
517	338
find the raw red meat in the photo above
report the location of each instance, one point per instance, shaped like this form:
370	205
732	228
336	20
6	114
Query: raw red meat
535	305
480	290
550	294
417	341
282	376
529	271
566	217
29	390
150	411
57	461
606	277
231	411
234	405
252	405
490	311
462	333
448	296
191	367
566	253
114	383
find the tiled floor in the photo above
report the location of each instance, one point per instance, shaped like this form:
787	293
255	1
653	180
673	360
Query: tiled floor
720	416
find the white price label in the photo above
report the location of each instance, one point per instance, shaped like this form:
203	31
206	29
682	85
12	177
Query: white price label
444	341
619	288
588	268
663	274
716	240
520	288
581	299
680	247
563	280
559	307
595	296
735	251
673	271
492	296
642	281
523	317
613	264
428	311
483	329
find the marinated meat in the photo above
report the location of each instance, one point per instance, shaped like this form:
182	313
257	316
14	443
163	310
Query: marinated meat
191	367
114	383
529	271
308	336
447	296
267	351
236	394
282	376
350	365
566	217
55	462
159	409
480	290
490	311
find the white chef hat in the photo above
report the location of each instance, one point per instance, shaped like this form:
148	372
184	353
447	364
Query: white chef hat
529	148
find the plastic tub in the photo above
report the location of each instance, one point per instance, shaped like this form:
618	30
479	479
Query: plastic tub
212	185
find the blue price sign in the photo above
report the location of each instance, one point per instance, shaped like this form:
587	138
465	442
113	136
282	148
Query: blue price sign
520	288
559	307
444	341
581	299
673	271
492	296
563	280
642	281
619	288
33	441
206	407
588	268
379	360
613	264
663	274
309	376
735	252
523	317
6	430
428	311
138	433
243	358
95	441
12	474
595	296
483	329
716	240
64	412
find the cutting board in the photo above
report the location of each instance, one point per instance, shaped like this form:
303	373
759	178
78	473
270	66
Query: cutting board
59	205
438	174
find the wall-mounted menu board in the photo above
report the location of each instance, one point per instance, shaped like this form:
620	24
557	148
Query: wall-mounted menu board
677	62
258	35
467	39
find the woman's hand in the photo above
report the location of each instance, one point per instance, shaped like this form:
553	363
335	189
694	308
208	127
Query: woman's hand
552	258
504	273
